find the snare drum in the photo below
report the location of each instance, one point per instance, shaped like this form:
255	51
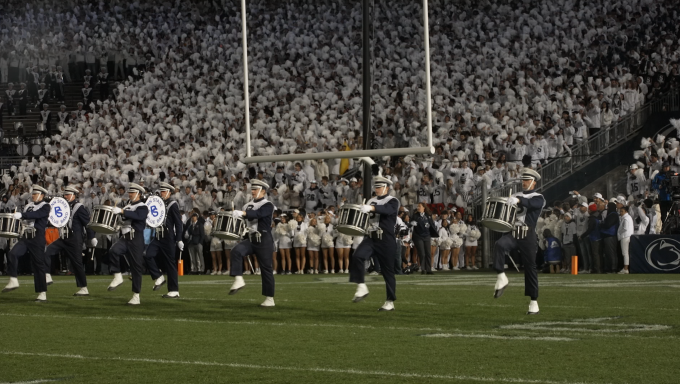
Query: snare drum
227	227
9	226
103	220
499	215
351	221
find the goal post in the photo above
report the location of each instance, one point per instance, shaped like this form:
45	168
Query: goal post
429	149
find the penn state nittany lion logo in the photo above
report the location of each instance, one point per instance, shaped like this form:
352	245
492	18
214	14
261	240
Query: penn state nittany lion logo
667	252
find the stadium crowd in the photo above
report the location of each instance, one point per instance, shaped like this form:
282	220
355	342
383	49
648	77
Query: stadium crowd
512	85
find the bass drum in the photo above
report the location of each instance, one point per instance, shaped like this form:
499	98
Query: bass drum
60	212
36	149
156	216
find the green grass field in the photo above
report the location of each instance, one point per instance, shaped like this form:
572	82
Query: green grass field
446	328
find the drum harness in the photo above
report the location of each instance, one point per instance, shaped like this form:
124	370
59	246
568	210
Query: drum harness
254	235
28	230
130	233
161	230
66	231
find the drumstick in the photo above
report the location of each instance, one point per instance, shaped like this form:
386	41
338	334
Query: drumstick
92	254
251	264
513	262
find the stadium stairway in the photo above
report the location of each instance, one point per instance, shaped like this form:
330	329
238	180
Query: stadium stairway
618	156
72	95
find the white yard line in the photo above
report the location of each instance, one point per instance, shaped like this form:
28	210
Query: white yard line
498	337
355	372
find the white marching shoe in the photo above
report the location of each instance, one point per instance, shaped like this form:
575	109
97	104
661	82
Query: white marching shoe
238	284
42	297
388	306
134	300
361	293
159	283
501	283
171	295
533	308
116	282
12	285
82	292
268	302
48	279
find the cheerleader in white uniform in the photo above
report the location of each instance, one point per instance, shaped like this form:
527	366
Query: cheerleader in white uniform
326	230
471	237
300	243
444	244
342	245
457	230
284	233
313	244
216	249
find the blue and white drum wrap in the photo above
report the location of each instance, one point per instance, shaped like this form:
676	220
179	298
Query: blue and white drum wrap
60	212
156	216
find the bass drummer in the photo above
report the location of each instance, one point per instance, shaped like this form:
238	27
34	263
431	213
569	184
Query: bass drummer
131	242
32	241
167	236
71	233
530	204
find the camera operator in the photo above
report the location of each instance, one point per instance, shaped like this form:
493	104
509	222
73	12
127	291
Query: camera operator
662	185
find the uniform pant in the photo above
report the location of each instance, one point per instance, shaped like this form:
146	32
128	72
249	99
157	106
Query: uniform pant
399	250
610	255
586	255
264	252
36	248
423	246
133	250
384	250
625	244
73	248
596	255
527	248
196	255
165	251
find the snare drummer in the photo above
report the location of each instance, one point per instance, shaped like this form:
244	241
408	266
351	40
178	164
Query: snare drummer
530	204
168	236
381	242
131	242
32	241
260	242
71	239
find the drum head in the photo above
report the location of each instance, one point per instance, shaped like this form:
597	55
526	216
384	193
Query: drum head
226	235
156	215
103	229
60	212
36	149
351	230
497	225
22	149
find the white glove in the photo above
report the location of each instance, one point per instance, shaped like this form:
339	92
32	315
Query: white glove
17	215
513	200
93	242
237	214
180	245
117	210
414	224
366	208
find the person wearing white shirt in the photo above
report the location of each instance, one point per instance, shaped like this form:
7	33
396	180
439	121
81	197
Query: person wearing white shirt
625	231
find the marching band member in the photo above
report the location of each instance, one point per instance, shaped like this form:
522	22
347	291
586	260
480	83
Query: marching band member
530	204
131	242
381	242
71	240
258	214
32	241
168	236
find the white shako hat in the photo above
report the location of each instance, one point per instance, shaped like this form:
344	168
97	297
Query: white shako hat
166	187
38	189
380	181
135	188
254	184
530	174
71	190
